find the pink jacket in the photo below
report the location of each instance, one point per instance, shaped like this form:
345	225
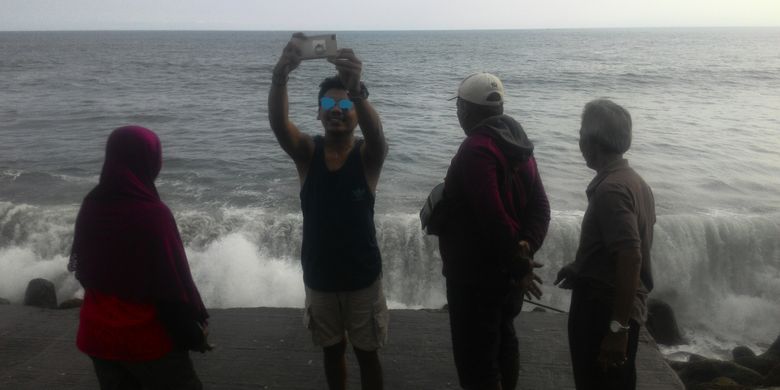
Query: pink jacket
497	201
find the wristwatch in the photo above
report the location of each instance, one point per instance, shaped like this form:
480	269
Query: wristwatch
357	96
617	327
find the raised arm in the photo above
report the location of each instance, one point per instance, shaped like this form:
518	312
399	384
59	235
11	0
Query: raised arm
297	145
375	148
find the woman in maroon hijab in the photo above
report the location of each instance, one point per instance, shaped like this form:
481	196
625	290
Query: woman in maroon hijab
142	312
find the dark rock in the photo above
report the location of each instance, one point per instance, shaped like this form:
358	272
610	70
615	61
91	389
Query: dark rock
773	353
4	301
756	363
40	293
705	371
773	377
71	303
720	383
745	357
446	307
662	324
696	358
742	351
764	362
675	365
775	347
539	310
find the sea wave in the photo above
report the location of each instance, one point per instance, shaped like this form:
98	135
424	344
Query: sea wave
718	270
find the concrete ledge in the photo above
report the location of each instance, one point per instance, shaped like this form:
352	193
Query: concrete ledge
268	348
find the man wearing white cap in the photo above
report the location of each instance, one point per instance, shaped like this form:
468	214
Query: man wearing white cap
496	219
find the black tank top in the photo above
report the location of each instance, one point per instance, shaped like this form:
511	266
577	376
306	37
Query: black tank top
340	252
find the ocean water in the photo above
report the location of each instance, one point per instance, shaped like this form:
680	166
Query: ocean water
705	105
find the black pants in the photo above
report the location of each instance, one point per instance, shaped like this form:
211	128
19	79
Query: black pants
173	371
589	320
484	342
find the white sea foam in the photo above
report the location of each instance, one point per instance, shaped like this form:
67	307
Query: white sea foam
93	179
20	265
234	272
721	275
10	174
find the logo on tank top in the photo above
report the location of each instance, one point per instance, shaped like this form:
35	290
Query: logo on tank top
358	194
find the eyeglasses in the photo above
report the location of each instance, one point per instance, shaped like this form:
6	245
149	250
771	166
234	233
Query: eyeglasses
327	103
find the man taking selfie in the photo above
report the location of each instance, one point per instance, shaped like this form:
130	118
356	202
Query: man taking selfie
338	173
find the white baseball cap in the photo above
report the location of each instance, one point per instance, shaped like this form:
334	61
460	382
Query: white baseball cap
481	88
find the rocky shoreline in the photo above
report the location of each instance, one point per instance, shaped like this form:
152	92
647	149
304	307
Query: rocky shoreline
745	371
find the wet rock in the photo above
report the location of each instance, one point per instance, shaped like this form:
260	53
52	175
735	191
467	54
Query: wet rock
773	353
745	357
40	293
71	303
742	351
539	310
662	324
696	358
675	365
707	370
758	364
720	383
4	301
773	377
762	363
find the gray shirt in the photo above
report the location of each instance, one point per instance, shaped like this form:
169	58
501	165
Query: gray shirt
620	216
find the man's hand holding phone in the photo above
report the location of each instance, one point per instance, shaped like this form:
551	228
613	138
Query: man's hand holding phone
289	60
349	68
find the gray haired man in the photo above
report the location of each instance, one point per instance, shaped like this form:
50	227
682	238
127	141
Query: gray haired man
611	275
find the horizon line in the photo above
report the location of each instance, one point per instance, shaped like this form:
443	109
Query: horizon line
405	30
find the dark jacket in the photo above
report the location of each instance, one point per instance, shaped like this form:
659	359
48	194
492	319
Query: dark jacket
496	199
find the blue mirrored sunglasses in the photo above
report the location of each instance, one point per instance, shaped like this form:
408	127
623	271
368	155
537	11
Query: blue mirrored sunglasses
327	103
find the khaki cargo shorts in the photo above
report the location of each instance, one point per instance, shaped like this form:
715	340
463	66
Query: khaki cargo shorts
361	315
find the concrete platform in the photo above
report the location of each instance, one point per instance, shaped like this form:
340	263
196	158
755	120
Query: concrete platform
268	348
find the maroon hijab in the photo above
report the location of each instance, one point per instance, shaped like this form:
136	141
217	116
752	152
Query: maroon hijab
126	242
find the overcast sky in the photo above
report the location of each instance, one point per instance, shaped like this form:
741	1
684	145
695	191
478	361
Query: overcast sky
338	15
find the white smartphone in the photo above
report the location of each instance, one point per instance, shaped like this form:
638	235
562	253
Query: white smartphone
318	46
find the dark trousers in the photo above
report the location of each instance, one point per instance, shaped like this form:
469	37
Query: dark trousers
589	320
171	372
484	342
